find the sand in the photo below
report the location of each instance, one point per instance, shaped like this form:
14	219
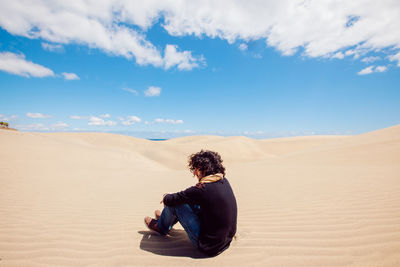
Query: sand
79	199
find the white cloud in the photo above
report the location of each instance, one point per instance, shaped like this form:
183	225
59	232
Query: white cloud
130	90
367	70
16	64
130	120
76	117
318	28
8	117
381	69
38	115
105	25
356	53
42	127
105	116
243	46
338	55
70	76
32	127
395	57
372	69
183	60
253	134
169	121
370	59
96	121
52	47
59	125
152	91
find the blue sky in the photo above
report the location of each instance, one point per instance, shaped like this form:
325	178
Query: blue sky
152	74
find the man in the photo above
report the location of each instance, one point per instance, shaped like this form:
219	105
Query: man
207	211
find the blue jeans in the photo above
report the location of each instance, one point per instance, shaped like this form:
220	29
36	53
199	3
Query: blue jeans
187	215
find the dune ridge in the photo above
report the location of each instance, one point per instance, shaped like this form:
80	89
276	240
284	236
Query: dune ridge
79	199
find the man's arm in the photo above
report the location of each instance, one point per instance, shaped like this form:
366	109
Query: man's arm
192	195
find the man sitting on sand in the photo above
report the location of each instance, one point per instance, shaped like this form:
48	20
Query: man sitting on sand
207	211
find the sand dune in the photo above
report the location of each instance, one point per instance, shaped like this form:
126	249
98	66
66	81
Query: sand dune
79	199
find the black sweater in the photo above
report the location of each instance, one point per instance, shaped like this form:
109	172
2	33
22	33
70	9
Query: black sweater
218	213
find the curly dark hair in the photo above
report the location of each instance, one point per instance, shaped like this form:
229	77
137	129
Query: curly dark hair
207	162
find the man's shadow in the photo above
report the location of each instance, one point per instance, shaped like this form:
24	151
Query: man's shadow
176	244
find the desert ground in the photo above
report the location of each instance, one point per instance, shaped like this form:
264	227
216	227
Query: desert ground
79	199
